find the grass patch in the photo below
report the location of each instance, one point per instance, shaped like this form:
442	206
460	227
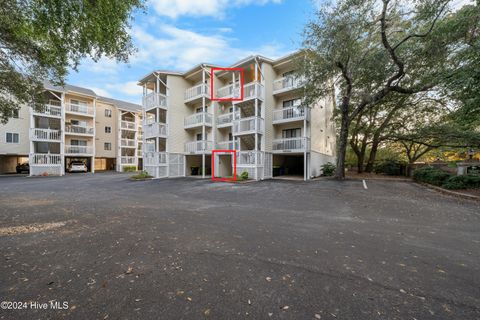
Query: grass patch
141	176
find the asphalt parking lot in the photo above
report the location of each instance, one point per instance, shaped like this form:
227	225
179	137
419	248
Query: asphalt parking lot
191	249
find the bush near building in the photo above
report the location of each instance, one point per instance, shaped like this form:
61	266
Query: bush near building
445	180
129	168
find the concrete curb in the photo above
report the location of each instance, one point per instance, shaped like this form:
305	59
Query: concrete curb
449	192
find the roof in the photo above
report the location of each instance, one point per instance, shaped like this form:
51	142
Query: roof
123	105
69	88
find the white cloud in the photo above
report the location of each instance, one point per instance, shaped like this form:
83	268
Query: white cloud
97	90
129	88
181	49
213	8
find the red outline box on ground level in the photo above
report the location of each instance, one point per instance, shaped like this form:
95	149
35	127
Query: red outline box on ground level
212	91
234	178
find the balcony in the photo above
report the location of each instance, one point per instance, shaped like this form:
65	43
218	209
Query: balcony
228	92
287	84
71	129
80	109
249	125
227	145
127	143
85	150
251	91
198	120
128	125
289	145
155	129
45	159
197	92
155	159
291	114
249	158
198	147
49	110
225	120
38	134
154	100
128	160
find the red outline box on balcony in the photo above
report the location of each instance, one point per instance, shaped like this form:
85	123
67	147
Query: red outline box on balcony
234	178
212	91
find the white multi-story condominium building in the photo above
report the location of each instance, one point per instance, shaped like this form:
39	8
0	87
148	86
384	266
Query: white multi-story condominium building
75	125
272	133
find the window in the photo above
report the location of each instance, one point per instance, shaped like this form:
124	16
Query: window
108	129
107	146
15	114
200	109
108	113
200	136
291	133
12	137
292	103
78	123
82	143
78	102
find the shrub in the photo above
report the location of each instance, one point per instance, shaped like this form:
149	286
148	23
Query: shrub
431	175
328	169
129	169
244	175
142	175
390	167
462	182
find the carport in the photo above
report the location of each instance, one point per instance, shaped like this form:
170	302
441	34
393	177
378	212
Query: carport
86	160
8	163
291	165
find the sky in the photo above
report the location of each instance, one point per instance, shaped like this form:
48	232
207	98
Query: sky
179	34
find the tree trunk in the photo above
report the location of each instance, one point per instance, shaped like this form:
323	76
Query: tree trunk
342	146
371	157
360	160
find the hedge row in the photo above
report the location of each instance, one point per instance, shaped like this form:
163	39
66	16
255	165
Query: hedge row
443	179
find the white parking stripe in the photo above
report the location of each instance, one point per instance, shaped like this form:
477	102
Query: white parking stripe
365	185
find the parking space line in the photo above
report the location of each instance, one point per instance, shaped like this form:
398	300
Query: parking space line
365	185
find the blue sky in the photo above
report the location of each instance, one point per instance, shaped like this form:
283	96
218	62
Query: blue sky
178	34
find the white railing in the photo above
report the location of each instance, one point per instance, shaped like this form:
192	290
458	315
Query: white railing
85	109
128	125
154	99
149	147
287	83
253	90
249	158
78	150
127	143
227	145
290	113
248	125
70	128
139	153
198	146
128	160
230	91
44	159
197	92
155	129
291	144
225	119
45	134
198	119
155	158
49	110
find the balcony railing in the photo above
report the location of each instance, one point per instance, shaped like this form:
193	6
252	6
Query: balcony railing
198	119
44	159
249	158
127	125
198	91
78	150
287	83
291	145
155	99
84	109
253	90
128	160
198	146
39	134
248	125
74	129
290	114
225	120
155	158
230	91
155	129
128	143
227	145
49	110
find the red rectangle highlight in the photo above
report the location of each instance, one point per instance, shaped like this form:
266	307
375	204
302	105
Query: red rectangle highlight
234	178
